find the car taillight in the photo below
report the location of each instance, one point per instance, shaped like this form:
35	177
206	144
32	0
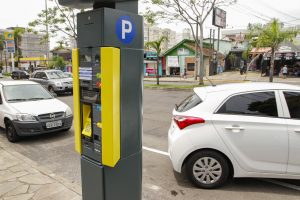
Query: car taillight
184	121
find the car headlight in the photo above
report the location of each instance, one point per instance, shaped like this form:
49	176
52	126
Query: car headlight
69	112
25	117
58	83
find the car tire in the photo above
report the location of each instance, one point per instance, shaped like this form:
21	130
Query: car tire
51	90
11	132
207	169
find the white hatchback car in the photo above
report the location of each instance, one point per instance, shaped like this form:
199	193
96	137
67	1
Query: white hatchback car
27	108
239	130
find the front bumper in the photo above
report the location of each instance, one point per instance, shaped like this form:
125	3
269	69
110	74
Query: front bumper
39	127
64	88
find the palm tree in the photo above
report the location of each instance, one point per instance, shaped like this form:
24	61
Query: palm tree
1	50
18	32
156	45
271	36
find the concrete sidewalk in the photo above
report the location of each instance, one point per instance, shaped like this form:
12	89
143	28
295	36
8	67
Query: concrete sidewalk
23	179
228	77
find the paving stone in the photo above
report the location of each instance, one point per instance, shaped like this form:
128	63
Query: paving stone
48	190
36	179
6	160
8	186
22	167
18	168
22	189
34	188
20	197
11	175
62	195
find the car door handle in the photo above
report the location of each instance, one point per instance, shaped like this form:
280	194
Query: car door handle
234	129
297	130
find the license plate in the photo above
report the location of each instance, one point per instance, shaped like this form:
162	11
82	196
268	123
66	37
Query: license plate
54	124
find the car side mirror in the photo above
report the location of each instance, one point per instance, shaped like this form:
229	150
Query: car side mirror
45	78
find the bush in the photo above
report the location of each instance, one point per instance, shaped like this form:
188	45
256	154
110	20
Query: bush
6	74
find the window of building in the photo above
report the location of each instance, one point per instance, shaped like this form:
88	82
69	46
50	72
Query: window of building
293	102
258	104
190	67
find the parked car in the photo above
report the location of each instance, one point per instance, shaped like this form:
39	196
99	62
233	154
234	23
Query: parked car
18	74
237	130
54	80
68	74
27	108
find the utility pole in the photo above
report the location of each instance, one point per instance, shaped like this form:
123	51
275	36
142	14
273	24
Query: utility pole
218	46
47	34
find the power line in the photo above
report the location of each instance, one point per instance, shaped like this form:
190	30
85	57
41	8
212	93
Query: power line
279	11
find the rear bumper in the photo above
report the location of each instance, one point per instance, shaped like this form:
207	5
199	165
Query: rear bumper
37	128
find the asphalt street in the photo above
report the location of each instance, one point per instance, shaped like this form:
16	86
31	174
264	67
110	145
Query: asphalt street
56	152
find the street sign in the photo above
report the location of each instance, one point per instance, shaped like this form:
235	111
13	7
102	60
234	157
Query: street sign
10	46
125	29
219	18
8	36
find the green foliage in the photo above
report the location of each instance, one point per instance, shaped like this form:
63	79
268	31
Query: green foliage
156	45
59	20
232	58
18	32
272	35
245	54
57	62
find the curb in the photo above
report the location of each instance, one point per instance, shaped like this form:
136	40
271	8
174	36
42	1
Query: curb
71	186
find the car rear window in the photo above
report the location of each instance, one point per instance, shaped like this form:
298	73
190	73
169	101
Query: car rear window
190	102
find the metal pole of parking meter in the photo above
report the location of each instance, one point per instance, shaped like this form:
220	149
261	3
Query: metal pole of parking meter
107	90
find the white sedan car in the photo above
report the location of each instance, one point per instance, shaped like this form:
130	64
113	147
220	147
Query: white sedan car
27	108
237	130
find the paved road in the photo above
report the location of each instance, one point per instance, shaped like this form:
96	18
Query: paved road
56	152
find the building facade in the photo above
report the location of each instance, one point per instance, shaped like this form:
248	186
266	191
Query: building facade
153	33
181	58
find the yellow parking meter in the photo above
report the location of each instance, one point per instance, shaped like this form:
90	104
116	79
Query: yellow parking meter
107	78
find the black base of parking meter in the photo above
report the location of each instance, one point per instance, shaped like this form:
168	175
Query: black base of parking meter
109	58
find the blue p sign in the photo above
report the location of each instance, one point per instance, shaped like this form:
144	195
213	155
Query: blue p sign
125	29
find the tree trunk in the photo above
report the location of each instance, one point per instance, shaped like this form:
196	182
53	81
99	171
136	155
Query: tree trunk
196	53
5	61
201	57
157	72
271	73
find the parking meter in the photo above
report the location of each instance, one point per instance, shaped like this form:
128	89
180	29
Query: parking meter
107	78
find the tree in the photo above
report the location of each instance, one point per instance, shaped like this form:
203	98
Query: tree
58	19
156	45
57	63
18	32
232	58
271	35
192	12
1	50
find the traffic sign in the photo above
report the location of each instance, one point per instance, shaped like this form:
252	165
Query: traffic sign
10	46
125	29
8	36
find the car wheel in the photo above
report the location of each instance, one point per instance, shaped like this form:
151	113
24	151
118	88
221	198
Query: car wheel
207	169
11	132
51	90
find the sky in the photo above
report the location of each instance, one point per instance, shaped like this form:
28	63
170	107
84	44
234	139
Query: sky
21	12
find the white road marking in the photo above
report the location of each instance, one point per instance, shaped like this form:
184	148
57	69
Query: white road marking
156	151
287	185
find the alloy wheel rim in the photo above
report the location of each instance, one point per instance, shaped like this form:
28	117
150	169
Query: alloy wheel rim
207	170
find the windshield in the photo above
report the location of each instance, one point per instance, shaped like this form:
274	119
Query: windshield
56	75
18	93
